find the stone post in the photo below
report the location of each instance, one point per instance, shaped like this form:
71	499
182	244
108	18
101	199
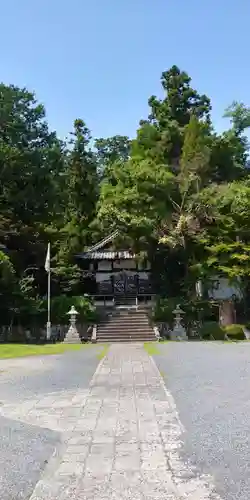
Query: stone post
72	335
178	332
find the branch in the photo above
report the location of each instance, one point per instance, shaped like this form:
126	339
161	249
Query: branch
174	203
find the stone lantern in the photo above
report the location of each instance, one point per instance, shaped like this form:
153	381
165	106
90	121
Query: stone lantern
72	336
178	332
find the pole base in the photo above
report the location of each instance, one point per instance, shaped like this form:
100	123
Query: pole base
48	330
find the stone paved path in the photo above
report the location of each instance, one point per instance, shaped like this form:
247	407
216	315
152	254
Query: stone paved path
120	439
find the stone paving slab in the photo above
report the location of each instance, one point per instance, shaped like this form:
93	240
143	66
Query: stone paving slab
41	400
123	441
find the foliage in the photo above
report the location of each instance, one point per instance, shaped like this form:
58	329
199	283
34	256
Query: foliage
211	330
178	192
61	305
195	310
6	269
111	150
234	332
136	200
163	311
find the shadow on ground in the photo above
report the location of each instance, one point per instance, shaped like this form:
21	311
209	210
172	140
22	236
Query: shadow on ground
25	450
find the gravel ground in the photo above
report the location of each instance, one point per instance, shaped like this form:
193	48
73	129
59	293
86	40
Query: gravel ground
36	376
26	449
210	383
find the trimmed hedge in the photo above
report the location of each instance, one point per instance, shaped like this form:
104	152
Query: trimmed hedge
234	332
212	330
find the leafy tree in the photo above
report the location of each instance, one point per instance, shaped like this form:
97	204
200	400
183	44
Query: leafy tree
239	115
178	191
82	187
31	160
181	101
170	115
110	150
137	200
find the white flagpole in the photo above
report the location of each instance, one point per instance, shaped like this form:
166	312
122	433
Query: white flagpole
48	322
47	267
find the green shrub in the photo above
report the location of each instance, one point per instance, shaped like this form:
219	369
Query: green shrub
61	305
194	310
234	332
163	311
211	329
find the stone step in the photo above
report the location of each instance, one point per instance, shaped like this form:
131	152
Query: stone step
124	320
127	319
72	339
124	333
127	324
127	333
132	339
122	337
126	339
128	315
129	310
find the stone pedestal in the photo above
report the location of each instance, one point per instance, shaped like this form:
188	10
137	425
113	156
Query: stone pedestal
72	335
178	332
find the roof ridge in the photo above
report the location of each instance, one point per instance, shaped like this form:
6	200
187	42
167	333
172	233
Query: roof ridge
103	242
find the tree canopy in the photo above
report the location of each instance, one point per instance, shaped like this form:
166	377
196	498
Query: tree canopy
178	189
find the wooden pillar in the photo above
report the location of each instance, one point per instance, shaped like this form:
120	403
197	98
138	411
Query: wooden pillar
112	276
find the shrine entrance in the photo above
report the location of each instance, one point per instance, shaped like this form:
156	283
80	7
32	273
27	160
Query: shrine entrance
115	275
125	283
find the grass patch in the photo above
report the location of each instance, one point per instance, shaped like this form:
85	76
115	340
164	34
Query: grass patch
23	350
103	352
152	348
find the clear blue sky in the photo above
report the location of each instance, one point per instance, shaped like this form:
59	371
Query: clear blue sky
100	60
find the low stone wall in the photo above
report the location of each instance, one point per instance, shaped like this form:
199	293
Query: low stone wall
37	334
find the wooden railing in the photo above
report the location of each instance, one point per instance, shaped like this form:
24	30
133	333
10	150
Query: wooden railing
109	299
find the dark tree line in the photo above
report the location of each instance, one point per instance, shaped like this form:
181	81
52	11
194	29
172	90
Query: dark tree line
178	190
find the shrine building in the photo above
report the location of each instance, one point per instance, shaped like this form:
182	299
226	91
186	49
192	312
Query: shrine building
117	276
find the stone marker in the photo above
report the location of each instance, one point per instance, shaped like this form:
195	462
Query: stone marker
179	332
72	335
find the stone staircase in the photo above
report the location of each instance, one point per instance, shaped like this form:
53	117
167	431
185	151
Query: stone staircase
127	300
125	325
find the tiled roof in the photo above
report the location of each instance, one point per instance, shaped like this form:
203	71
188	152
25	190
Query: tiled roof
106	255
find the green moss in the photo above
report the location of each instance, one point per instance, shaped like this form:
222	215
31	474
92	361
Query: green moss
151	348
103	352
